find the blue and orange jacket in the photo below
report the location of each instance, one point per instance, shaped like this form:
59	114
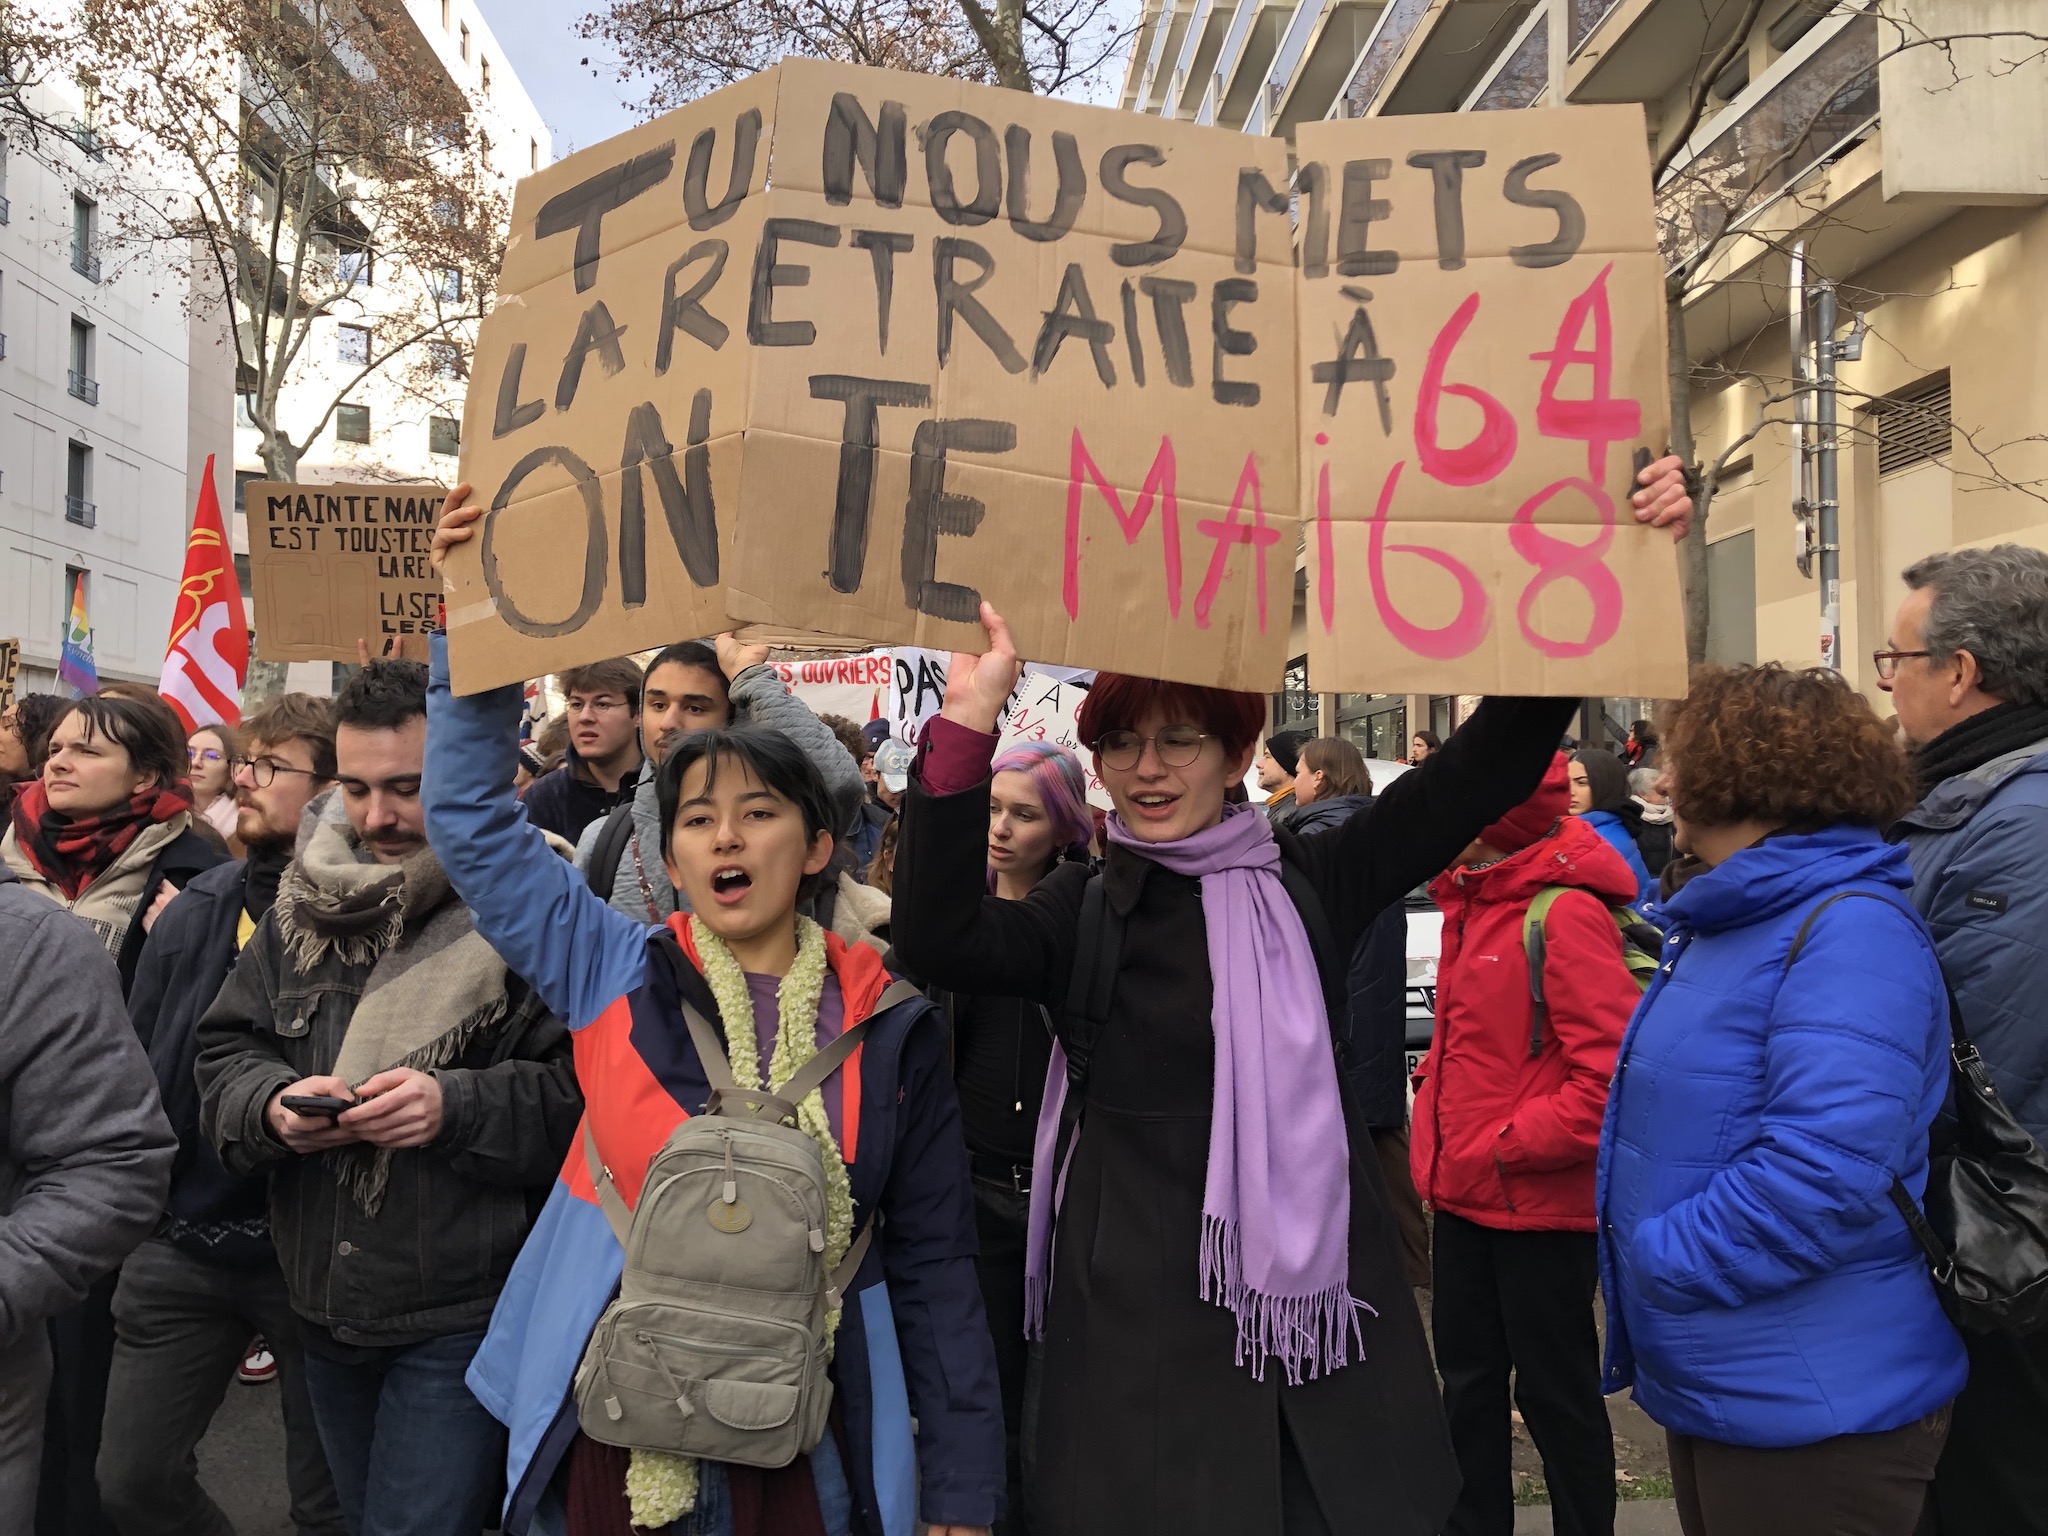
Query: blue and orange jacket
914	1365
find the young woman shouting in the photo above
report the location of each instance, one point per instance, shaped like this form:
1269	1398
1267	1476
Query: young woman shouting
747	827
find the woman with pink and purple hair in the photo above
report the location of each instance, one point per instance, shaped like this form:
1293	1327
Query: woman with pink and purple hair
1002	1047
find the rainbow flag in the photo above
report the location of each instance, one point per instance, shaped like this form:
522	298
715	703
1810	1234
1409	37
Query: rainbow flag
75	669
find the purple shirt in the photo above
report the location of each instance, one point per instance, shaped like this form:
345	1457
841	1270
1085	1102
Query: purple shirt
766	992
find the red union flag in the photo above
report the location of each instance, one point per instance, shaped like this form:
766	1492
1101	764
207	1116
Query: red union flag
208	654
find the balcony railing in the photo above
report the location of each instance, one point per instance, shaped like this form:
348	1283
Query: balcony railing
3	345
83	388
1586	16
85	263
80	511
1523	74
87	138
1824	104
6	209
1382	51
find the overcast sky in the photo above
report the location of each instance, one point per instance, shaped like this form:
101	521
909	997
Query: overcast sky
573	81
581	102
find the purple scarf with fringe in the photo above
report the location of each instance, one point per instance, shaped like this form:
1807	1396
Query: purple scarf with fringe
1276	1207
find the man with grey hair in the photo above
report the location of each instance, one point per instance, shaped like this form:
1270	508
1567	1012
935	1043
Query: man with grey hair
1967	668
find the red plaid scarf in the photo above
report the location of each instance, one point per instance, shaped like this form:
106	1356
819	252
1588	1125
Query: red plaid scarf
72	852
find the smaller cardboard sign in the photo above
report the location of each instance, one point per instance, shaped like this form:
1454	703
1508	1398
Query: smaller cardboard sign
917	691
1042	708
334	564
10	668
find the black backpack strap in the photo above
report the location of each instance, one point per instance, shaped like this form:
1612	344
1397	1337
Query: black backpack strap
609	849
1098	949
1938	1255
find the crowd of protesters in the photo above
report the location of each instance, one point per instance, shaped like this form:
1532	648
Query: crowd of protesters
356	1029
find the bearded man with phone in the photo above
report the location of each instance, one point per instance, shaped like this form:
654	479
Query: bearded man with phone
411	1101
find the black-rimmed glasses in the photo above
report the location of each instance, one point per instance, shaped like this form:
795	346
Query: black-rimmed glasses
264	770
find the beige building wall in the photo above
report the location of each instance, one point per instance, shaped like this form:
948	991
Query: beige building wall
1965	297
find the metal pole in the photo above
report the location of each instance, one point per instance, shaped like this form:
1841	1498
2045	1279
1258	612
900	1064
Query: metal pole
1802	414
1827	504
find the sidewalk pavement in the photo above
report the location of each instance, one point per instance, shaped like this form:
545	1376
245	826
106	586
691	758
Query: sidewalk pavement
1632	1517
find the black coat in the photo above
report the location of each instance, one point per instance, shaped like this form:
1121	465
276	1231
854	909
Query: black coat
1146	1425
215	1215
1374	1029
183	859
431	1261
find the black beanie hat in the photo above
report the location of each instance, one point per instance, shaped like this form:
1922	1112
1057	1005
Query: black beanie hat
1285	748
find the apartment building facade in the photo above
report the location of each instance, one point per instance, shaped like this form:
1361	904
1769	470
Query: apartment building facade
104	424
1911	176
403	422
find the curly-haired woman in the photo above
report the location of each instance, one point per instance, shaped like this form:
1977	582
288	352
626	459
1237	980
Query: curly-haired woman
1765	1299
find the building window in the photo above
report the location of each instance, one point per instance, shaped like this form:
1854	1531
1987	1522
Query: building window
465	42
355	266
444	15
1731	613
352	344
244	478
483	75
78	506
447	285
1295	706
82	385
444	435
352	423
4	210
1376	723
532	156
445	357
85	232
1914	425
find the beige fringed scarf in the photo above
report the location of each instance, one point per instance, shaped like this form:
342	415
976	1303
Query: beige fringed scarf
435	985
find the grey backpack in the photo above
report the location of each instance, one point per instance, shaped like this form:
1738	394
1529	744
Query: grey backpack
716	1346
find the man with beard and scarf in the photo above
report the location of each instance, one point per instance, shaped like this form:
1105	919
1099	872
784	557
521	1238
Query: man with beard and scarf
1967	669
396	1213
191	1298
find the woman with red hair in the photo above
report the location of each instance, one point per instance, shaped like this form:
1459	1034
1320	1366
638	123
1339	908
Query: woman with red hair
1230	1342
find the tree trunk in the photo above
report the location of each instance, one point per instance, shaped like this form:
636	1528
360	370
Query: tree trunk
1692	550
267	678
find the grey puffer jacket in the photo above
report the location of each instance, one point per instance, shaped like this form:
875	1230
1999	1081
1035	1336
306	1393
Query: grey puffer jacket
1979	843
85	1150
640	887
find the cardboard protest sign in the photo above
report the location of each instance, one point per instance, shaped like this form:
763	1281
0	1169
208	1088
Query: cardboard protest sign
839	351
334	564
1042	708
1482	372
924	342
10	669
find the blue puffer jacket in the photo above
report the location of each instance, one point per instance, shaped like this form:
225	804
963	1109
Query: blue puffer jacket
1761	1288
1979	845
1623	842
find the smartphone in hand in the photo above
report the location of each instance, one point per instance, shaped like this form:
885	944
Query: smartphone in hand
322	1104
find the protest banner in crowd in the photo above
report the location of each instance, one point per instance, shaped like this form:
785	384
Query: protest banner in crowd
1482	374
852	687
10	669
846	351
333	564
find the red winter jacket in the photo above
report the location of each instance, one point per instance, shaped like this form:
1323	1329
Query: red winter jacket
1502	1138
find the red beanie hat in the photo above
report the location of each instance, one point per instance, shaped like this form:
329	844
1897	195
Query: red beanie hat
1534	818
